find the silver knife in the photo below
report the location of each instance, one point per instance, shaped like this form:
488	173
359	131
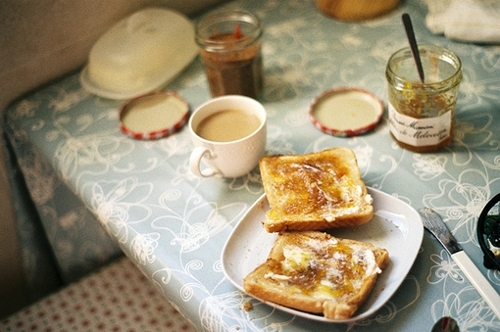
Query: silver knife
434	224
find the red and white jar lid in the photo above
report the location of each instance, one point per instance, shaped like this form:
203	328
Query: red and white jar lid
346	111
153	116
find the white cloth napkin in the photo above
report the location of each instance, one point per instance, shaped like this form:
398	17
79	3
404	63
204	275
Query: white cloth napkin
465	20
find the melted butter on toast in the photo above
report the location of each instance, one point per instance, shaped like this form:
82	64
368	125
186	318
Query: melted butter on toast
317	185
323	269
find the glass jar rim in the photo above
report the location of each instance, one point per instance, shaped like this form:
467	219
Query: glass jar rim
204	24
442	84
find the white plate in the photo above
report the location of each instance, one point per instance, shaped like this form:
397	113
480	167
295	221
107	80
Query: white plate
396	227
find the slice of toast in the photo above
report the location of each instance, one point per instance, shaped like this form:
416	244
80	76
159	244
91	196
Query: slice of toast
314	191
317	273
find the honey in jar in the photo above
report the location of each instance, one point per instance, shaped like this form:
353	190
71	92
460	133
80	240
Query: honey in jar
421	114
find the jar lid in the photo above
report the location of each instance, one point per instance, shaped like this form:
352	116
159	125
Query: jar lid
154	115
346	111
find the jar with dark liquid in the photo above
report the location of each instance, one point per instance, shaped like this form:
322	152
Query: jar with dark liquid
230	48
421	114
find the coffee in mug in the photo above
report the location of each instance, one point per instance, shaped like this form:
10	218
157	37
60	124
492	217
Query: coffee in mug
228	125
229	134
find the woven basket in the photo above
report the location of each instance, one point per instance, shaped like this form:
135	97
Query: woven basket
356	10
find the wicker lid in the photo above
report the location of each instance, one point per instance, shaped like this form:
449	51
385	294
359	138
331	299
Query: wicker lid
356	10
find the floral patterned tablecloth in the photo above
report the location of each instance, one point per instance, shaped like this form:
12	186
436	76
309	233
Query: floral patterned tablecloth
97	192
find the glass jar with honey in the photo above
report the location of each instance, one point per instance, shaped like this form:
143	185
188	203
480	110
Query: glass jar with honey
421	114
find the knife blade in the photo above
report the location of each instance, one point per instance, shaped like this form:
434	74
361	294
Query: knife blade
435	225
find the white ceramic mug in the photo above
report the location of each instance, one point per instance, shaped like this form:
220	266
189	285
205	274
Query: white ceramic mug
228	156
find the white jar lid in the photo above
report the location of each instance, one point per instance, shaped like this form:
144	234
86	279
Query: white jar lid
346	111
154	115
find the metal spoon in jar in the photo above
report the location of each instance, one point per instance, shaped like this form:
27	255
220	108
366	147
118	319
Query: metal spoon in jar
445	324
413	45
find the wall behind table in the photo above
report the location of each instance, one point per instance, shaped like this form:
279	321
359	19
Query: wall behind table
39	42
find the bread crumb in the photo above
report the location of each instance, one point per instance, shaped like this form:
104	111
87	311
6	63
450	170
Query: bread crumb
248	306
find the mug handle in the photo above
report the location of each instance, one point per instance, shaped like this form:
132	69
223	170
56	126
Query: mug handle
195	162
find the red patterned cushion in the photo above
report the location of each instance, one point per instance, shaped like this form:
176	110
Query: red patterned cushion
115	298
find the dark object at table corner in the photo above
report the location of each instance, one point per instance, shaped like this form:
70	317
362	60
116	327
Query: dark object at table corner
445	324
489	259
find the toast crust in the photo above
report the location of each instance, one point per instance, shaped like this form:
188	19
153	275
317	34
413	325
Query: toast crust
314	191
317	273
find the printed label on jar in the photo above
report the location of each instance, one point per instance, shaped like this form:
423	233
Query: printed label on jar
419	132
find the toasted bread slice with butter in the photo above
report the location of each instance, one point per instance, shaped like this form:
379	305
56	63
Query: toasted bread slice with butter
314	191
317	273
